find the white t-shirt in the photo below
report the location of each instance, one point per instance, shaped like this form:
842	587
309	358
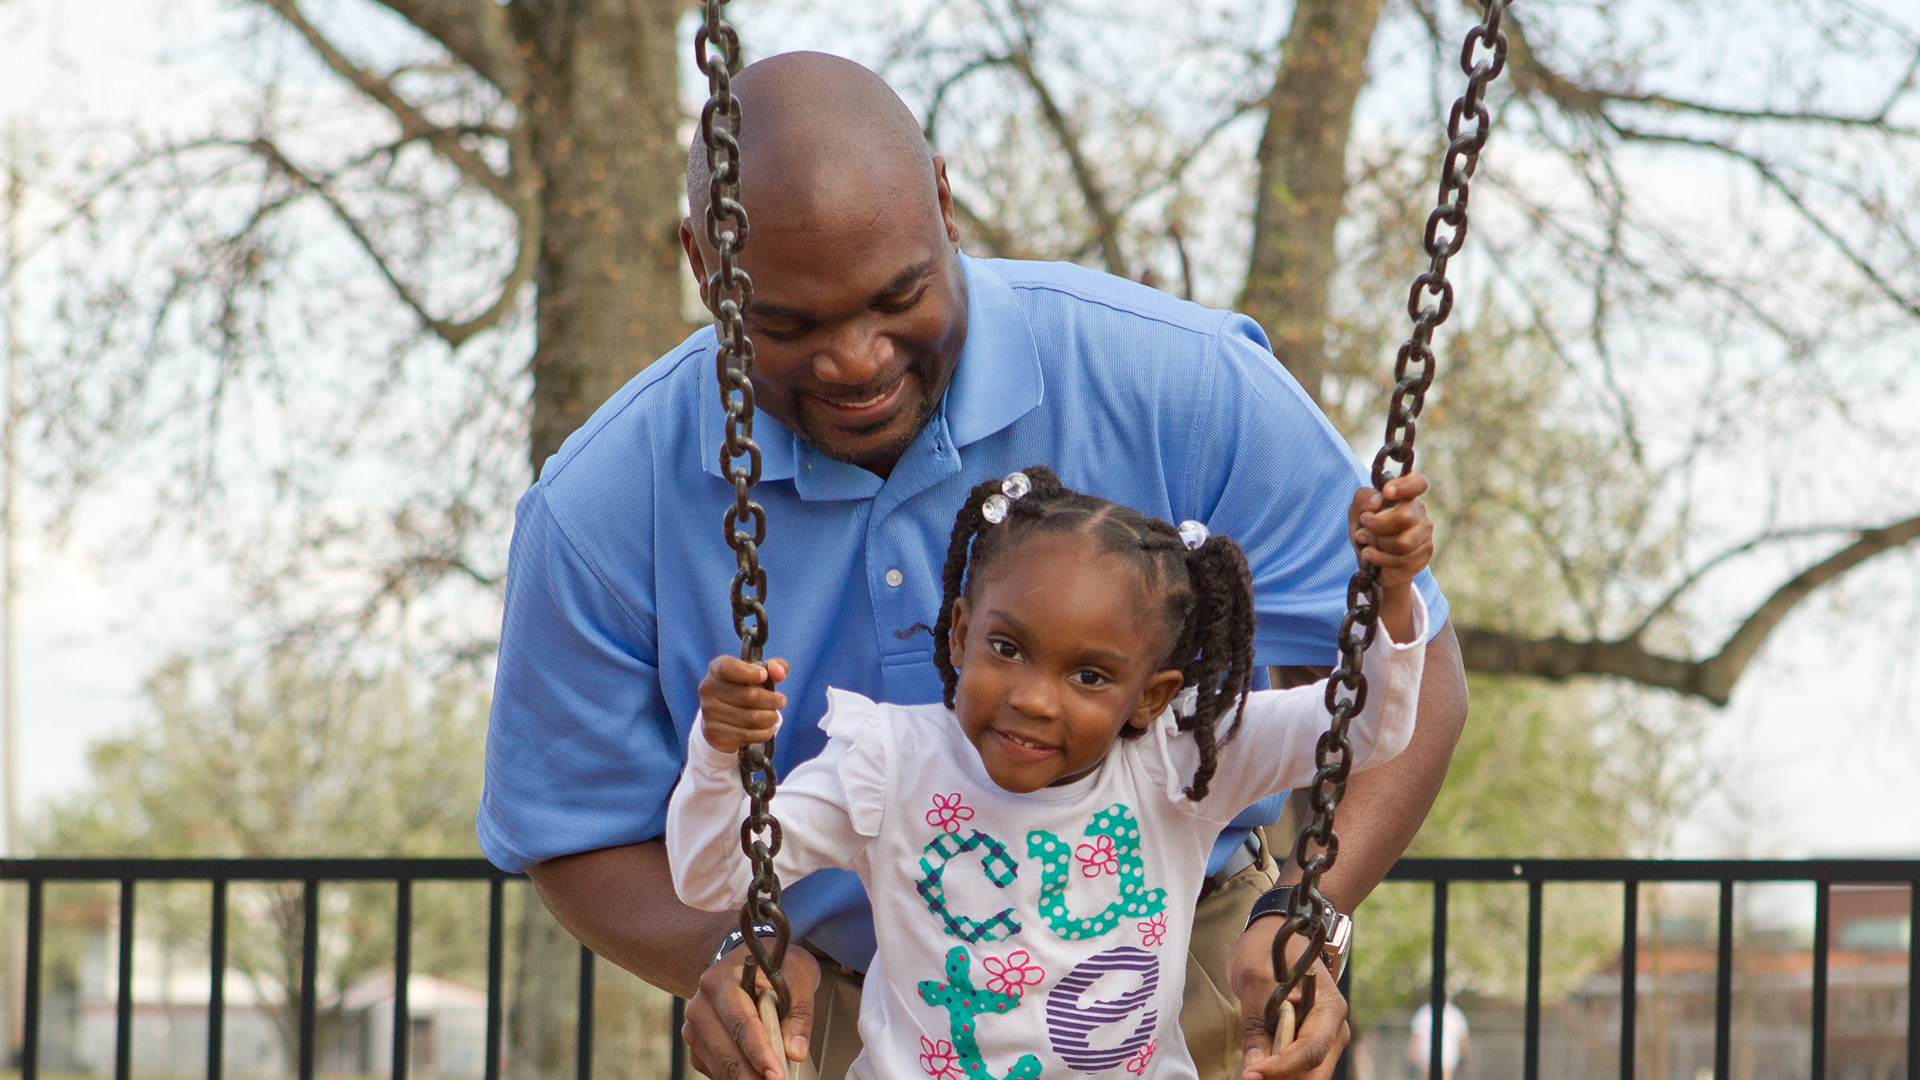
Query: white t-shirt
1452	1035
1020	936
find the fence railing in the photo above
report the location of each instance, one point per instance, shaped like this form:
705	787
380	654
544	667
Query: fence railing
1630	874
1534	874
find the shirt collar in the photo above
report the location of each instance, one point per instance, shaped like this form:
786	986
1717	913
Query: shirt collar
998	378
996	381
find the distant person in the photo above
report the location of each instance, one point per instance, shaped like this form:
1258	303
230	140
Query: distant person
1453	1041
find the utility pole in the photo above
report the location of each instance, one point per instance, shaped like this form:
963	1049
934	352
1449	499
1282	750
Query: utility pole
11	960
9	653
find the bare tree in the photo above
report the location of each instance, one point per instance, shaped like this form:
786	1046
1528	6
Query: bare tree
1811	270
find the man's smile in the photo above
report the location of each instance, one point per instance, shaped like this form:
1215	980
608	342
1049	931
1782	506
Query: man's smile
862	414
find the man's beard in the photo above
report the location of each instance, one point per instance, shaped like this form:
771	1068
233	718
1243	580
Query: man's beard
887	453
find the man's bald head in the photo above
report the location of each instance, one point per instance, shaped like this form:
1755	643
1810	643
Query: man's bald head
859	308
817	132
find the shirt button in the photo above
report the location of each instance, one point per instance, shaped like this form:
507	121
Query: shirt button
895	577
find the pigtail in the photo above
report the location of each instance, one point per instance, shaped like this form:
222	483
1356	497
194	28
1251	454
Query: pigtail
953	576
1217	645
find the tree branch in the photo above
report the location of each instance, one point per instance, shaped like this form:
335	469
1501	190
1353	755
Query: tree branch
1499	652
413	124
453	333
475	32
1106	223
1531	73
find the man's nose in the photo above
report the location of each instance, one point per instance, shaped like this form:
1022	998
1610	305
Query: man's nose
854	354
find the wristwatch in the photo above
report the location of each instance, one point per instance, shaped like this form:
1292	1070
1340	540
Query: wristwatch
1339	946
735	939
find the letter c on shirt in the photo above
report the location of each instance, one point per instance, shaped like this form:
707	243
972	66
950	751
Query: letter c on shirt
1000	869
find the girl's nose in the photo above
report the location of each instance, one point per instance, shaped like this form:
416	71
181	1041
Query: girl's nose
1035	697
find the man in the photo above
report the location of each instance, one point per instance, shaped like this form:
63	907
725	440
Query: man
893	373
1453	1041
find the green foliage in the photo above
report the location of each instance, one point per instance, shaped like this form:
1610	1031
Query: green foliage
289	759
1529	777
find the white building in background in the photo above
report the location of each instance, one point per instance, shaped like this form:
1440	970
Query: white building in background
448	1029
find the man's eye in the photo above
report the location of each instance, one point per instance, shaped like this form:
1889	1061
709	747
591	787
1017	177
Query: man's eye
897	306
1005	650
784	329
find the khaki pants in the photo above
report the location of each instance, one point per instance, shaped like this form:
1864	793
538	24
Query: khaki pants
1210	1017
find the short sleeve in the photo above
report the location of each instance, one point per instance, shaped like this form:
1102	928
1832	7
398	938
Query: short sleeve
859	735
581	747
1274	475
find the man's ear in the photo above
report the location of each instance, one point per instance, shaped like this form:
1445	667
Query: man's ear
945	193
690	243
1156	697
957	636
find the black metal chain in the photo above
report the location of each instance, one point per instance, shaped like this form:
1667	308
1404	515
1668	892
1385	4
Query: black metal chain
730	292
1318	845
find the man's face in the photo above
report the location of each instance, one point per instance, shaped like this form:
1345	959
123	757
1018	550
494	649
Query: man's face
857	318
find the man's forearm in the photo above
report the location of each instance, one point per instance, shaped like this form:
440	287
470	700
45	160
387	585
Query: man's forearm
1384	807
620	903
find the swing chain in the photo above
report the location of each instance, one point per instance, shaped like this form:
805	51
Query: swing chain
730	291
1413	371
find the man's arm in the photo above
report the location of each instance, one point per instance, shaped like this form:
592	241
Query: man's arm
1385	806
620	903
1383	809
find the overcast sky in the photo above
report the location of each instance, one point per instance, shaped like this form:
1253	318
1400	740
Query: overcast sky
1820	740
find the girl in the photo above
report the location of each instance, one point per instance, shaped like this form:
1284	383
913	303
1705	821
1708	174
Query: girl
1032	848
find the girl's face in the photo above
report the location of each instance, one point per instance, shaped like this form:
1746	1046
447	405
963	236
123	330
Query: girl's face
1060	648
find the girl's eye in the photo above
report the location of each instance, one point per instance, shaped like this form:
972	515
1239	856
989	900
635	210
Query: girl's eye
1004	649
1088	677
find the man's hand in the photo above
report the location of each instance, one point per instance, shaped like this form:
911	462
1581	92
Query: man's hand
1323	1034
724	1036
734	710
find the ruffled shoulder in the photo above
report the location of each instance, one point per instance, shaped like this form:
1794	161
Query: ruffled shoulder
857	727
1168	755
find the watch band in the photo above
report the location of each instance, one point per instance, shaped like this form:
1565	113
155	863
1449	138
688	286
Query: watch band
735	939
1339	945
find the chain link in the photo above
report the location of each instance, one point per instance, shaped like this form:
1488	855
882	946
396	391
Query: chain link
730	292
1429	302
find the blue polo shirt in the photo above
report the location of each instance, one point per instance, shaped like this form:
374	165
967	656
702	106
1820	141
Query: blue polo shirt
617	582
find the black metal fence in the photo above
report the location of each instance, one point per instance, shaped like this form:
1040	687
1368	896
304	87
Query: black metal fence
1535	874
1630	874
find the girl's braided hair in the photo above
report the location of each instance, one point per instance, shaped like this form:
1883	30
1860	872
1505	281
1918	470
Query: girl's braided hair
1206	594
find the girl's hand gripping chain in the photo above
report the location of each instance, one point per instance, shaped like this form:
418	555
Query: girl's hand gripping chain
734	710
1395	535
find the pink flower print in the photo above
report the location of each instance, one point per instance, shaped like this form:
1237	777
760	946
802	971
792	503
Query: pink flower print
1014	974
1098	857
1138	1064
939	1060
1153	931
948	812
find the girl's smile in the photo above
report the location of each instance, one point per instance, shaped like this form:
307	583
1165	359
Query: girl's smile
1059	651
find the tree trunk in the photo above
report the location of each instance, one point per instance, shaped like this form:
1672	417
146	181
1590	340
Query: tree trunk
606	115
1303	179
606	106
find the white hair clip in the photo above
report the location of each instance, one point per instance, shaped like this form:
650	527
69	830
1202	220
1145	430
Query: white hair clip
1193	534
1013	487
